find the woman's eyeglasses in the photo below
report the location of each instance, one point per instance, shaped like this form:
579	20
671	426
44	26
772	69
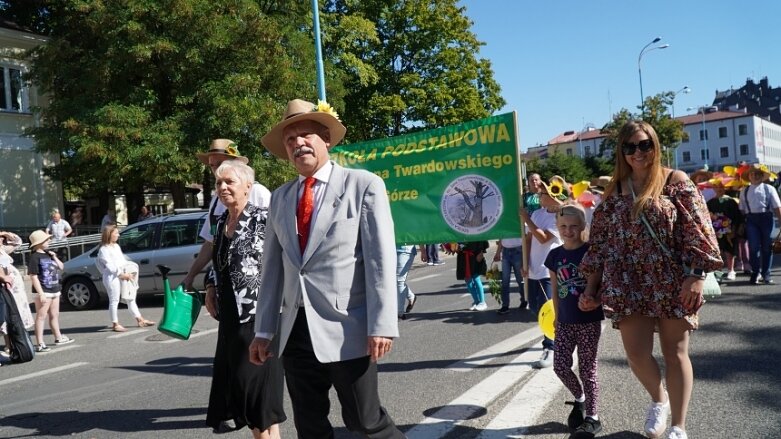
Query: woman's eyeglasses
643	145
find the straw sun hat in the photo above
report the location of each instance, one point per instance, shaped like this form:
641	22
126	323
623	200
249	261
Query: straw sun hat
298	110
222	147
38	237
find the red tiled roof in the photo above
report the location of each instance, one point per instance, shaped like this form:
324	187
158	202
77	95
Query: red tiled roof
716	115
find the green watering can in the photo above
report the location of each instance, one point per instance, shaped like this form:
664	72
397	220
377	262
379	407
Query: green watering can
180	309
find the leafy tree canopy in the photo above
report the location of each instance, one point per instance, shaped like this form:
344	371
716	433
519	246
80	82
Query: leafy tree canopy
669	130
411	64
138	87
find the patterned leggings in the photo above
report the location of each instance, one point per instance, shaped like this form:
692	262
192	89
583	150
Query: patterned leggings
584	336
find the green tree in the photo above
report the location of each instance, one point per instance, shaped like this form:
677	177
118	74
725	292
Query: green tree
138	87
571	168
407	65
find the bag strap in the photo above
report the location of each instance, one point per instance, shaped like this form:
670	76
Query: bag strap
745	198
648	227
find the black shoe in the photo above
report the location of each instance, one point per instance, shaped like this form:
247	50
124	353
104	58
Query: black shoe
588	429
769	281
225	427
503	310
524	304
575	418
411	304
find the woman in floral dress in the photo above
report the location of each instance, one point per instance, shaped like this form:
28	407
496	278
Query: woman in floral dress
641	288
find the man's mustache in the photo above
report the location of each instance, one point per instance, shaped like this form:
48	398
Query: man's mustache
301	150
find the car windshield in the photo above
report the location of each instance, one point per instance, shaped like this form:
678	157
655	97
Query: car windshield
137	238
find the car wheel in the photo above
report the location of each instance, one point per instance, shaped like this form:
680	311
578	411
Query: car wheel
81	293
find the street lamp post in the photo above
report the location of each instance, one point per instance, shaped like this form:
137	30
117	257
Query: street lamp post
640	70
703	133
684	90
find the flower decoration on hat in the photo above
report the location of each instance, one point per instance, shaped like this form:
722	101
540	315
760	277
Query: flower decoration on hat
325	107
557	188
583	195
232	150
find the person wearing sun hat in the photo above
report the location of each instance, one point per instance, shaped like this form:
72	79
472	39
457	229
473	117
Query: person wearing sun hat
44	267
726	219
702	176
541	236
219	151
329	263
759	201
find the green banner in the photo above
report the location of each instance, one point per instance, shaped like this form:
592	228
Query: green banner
456	183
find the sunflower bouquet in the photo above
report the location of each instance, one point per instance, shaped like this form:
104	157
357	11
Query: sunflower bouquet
494	276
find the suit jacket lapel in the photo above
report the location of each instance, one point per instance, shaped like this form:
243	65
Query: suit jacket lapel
286	232
332	198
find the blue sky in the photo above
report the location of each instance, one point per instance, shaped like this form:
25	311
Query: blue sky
563	64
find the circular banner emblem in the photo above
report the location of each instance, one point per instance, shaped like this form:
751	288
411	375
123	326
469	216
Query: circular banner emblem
471	204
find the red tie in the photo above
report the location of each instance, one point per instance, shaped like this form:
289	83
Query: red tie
304	213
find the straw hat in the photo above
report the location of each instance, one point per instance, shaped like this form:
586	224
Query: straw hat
222	147
700	173
557	188
38	237
761	168
599	184
296	111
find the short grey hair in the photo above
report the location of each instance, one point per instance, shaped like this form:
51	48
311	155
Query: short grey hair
245	173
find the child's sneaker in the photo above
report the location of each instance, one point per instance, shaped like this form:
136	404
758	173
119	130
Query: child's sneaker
677	433
656	419
588	429
575	418
63	340
42	348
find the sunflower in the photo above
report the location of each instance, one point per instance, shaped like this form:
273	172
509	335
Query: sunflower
325	107
232	150
556	188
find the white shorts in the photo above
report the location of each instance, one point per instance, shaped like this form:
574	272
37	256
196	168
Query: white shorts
50	295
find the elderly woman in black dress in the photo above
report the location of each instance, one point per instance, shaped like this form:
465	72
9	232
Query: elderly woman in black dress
247	394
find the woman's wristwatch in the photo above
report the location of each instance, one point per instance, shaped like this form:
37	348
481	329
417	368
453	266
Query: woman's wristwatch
698	273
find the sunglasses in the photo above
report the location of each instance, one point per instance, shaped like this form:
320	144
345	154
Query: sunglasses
643	145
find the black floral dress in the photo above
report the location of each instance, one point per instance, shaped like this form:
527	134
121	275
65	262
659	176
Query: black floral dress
637	277
250	395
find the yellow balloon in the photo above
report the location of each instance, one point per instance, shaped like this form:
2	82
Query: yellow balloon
546	319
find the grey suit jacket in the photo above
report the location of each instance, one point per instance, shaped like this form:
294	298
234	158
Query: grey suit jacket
346	277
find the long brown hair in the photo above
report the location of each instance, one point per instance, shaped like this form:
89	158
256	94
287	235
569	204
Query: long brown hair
622	170
105	237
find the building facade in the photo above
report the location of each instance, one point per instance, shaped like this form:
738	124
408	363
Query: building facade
713	139
26	196
725	138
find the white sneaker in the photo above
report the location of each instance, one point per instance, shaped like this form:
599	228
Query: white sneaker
473	307
730	276
656	419
545	361
64	339
482	306
677	433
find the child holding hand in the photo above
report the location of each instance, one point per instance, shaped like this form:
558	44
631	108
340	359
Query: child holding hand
576	327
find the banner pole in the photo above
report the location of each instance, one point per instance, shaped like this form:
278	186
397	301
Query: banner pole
318	52
522	204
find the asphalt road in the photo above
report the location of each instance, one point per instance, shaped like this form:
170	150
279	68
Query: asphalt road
453	373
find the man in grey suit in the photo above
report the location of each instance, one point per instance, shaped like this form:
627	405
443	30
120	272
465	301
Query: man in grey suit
330	267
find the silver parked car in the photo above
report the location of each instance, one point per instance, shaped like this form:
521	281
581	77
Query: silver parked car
170	240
